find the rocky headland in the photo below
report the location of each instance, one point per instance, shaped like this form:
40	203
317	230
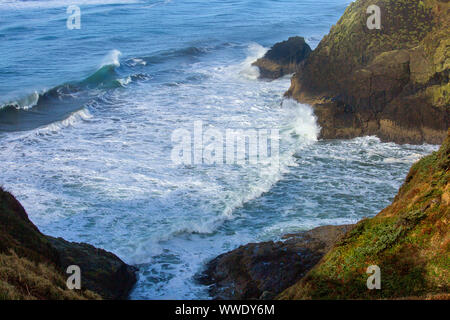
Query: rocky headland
33	265
409	241
391	82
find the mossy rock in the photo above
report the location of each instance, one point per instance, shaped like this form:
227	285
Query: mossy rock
391	82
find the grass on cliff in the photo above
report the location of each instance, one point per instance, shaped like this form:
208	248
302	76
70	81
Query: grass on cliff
405	25
22	279
409	241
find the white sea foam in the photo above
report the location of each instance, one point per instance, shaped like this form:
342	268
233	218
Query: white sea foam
125	81
303	124
112	58
255	51
73	119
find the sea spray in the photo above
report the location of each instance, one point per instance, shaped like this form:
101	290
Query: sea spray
112	58
48	4
303	124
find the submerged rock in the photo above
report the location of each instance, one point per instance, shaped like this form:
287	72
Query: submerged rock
33	265
391	82
263	270
283	58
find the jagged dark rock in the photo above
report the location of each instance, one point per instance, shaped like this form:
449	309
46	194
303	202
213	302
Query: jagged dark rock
263	270
283	58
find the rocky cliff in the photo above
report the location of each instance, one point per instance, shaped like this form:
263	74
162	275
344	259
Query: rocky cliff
391	82
33	265
409	241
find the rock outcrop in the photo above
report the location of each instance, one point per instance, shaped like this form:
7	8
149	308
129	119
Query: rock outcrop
283	58
409	241
103	272
33	265
391	82
263	270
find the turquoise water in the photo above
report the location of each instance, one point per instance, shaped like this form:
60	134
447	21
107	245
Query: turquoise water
87	116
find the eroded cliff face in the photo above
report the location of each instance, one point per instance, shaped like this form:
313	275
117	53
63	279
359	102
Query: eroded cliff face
33	265
409	241
392	82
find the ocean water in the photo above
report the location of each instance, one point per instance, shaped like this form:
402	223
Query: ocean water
87	117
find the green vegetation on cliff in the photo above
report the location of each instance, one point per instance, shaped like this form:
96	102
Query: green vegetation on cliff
409	241
391	82
22	279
